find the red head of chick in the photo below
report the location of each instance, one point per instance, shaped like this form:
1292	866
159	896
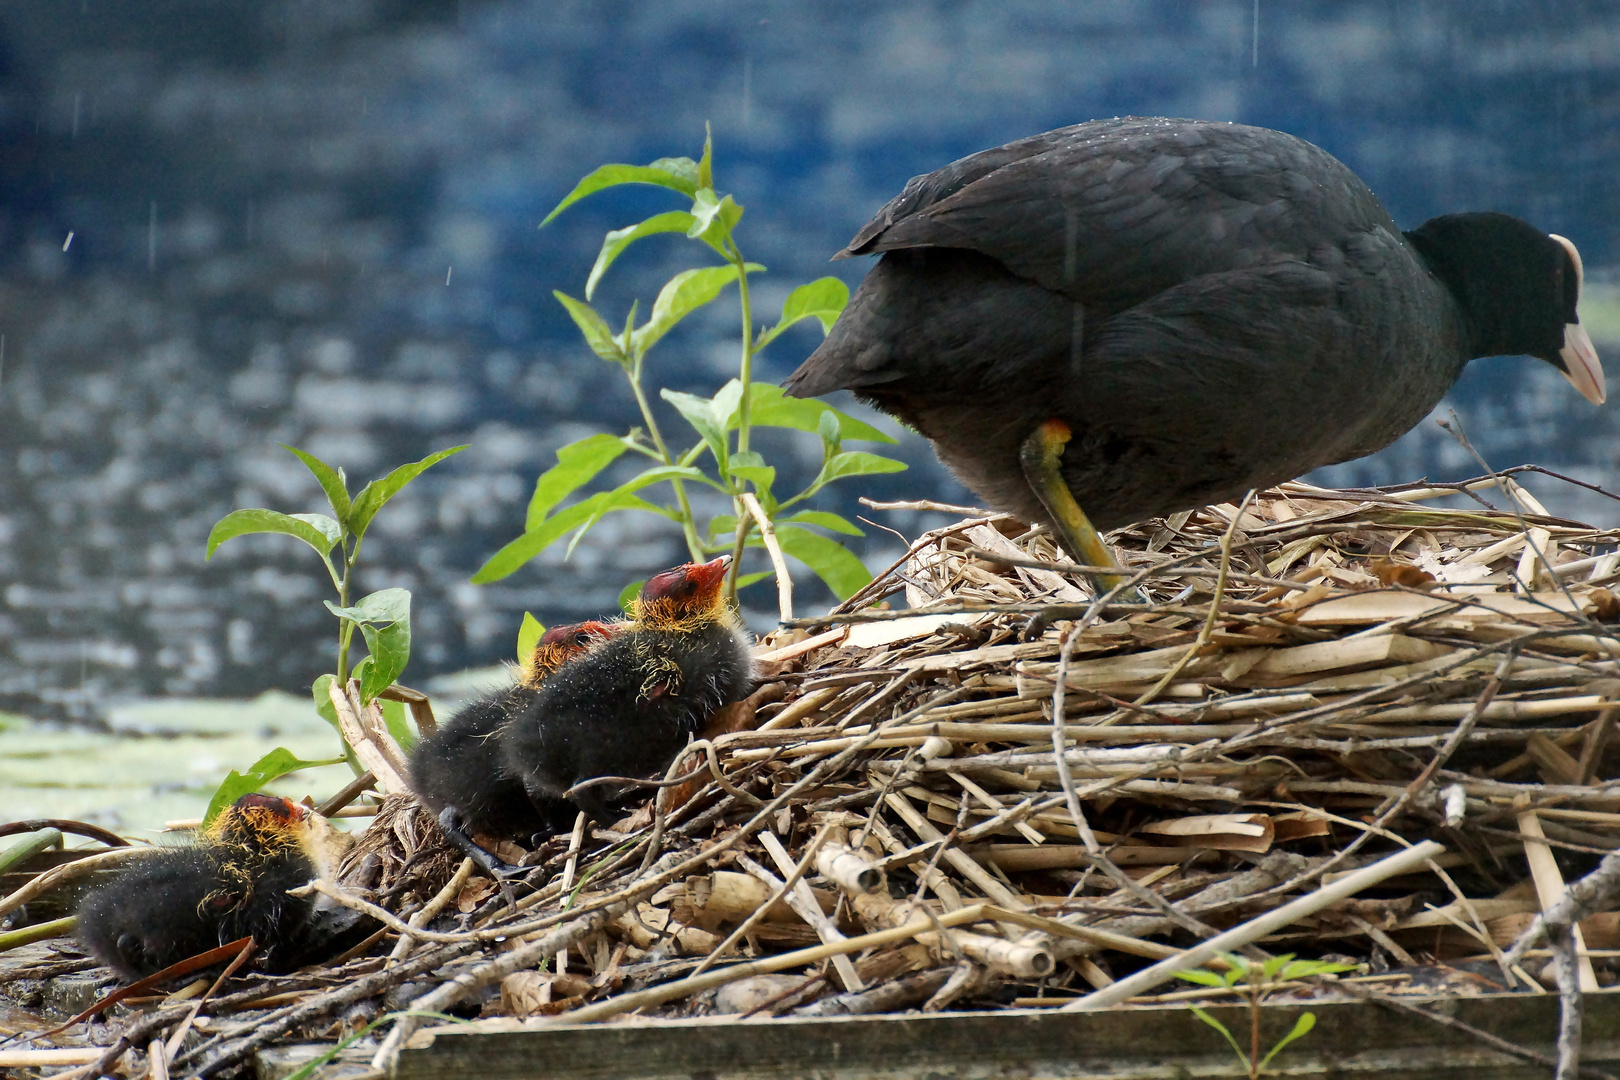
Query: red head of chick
458	773
232	883
626	707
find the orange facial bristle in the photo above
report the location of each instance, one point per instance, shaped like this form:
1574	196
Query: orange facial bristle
683	598
259	821
561	644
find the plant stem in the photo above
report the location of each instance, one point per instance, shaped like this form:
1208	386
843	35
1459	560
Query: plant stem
745	525
345	626
745	376
1254	1030
688	523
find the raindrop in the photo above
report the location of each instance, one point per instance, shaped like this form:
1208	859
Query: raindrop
76	99
68	241
447	272
748	86
1254	37
151	238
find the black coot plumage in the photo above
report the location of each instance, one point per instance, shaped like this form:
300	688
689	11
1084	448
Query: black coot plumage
1195	308
627	706
232	883
458	772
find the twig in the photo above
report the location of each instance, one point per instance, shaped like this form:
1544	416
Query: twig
347	794
1567	976
1214	608
767	533
524	956
1254	929
426	913
55	876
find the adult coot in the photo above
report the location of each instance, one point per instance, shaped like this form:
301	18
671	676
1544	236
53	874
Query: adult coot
1157	314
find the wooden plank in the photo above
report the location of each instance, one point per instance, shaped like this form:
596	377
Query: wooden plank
1350	1039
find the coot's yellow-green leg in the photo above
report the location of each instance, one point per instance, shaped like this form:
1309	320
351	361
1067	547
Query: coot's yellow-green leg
1042	459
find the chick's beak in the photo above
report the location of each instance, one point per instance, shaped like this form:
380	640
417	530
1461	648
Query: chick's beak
1581	364
709	575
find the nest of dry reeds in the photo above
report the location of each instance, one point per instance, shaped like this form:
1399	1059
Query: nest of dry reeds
1012	794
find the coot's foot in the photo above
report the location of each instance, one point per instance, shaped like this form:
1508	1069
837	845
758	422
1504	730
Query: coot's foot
1035	627
1041	457
487	861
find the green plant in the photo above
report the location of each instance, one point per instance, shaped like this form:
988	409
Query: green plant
1258	979
383	617
722	457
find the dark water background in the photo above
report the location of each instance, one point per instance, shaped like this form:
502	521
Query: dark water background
315	223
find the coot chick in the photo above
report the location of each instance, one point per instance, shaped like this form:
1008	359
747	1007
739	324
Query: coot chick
1193	308
628	705
232	883
458	772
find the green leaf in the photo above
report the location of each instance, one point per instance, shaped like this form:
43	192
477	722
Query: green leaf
677	174
323	702
616	241
1220	1027
699	412
1273	964
749	579
705	169
629	593
822	300
769	407
390	648
827	520
394	719
382	606
537	539
1302	1027
725	403
330	479
376	494
681	295
851	463
750	466
316	530
832	562
593	327
713	221
278	762
577	465
831	432
529	635
1202	977
624	496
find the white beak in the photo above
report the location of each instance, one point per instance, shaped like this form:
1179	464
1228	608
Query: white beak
1581	363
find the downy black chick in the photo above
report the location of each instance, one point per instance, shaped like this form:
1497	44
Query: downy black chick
232	883
627	706
458	771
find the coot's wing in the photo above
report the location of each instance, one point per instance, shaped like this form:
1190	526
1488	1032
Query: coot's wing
923	192
1112	212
